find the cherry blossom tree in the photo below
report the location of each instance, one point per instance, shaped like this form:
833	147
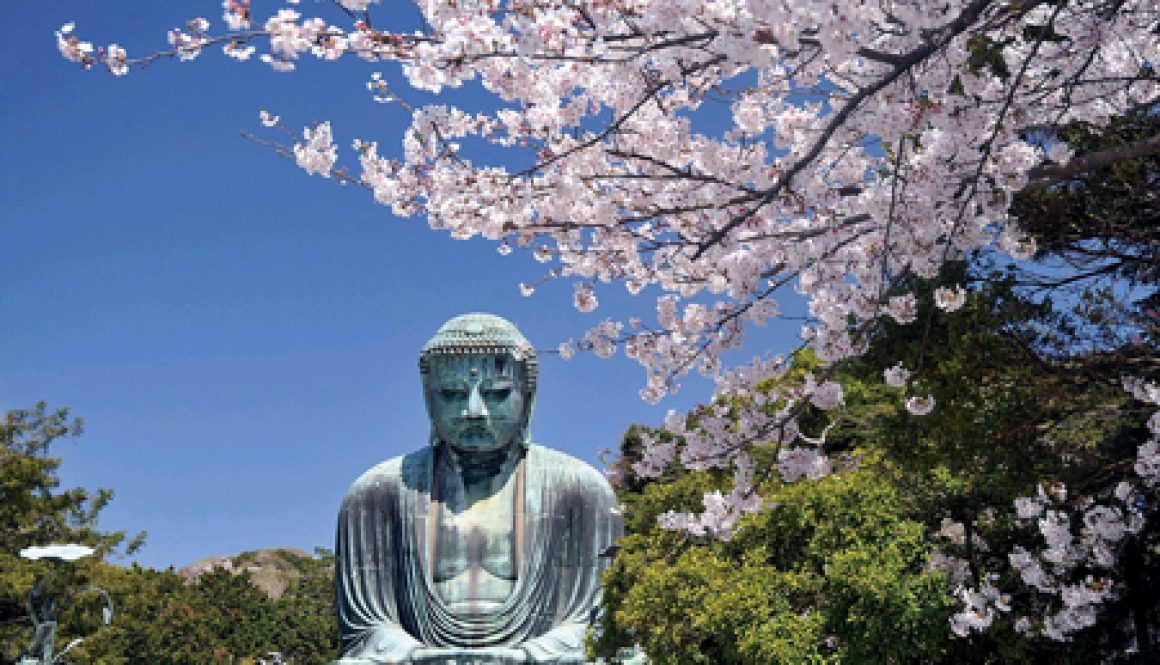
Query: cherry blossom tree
865	143
1084	550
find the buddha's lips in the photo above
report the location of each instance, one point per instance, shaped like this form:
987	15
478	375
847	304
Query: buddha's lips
475	431
479	425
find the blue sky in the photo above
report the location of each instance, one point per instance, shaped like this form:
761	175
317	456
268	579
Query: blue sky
240	338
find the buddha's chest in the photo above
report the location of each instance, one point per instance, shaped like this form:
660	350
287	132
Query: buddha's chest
475	547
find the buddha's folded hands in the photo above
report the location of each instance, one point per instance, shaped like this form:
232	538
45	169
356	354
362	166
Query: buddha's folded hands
476	656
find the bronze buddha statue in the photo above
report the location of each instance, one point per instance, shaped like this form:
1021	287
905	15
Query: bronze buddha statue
482	547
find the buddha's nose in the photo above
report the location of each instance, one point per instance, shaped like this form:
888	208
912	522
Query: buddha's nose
475	405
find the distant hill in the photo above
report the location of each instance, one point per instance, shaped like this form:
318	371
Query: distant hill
271	570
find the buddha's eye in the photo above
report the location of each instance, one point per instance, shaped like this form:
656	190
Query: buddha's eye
453	393
498	393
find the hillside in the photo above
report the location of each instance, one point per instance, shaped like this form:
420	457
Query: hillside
272	570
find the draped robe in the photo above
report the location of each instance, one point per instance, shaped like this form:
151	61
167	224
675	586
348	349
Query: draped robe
388	603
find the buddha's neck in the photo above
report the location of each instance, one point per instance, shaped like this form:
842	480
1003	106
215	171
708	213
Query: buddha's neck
478	467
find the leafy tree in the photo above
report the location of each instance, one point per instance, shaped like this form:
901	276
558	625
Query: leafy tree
221	617
34	510
161	618
307	613
831	572
862	565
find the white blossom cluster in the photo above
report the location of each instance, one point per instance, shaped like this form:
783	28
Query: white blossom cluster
1148	456
950	300
862	146
722	512
1067	606
979	607
739	416
1085	537
317	154
956	569
807	462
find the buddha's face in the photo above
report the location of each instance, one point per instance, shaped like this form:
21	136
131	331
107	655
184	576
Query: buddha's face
476	402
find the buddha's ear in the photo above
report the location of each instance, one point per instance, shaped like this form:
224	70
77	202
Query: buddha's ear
525	434
427	398
426	378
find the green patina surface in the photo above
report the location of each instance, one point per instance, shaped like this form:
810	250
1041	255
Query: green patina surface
482	547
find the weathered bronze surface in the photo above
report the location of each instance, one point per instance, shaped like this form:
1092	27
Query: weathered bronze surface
482	547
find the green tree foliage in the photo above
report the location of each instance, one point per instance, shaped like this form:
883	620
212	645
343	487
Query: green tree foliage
1006	417
840	570
1011	414
832	572
161	617
308	612
222	617
34	510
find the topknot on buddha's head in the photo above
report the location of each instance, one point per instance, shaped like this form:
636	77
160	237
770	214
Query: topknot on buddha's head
483	334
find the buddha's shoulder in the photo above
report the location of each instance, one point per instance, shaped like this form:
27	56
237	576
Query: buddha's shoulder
564	464
391	472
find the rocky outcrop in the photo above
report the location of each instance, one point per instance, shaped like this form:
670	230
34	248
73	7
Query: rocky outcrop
271	570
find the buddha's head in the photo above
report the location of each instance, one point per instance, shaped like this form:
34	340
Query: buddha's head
479	382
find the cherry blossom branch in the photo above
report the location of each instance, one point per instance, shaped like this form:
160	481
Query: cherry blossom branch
968	16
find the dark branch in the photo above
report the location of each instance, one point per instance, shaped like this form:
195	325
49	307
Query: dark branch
1049	174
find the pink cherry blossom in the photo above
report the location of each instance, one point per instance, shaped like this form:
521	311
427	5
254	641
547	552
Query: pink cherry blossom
117	60
896	376
796	463
1028	507
920	405
71	47
318	153
237	14
357	5
826	395
856	153
584	298
903	309
949	300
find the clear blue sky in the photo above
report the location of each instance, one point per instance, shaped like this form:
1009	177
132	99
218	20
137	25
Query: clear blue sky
240	338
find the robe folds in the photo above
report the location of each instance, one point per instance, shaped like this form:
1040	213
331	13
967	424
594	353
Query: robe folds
388	604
